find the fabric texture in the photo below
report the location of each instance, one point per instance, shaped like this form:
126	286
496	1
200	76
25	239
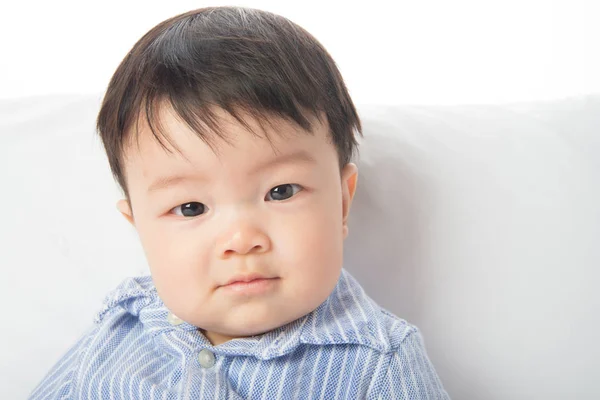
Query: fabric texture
348	348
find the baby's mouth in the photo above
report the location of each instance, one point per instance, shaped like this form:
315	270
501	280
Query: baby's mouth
253	286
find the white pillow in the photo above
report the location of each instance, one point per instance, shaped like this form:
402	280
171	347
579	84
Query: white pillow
479	224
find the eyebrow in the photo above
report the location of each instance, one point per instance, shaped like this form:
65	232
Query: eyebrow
300	156
171	180
165	182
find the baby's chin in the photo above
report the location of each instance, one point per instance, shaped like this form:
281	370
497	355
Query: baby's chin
250	325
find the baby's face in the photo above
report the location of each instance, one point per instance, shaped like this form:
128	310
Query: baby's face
273	210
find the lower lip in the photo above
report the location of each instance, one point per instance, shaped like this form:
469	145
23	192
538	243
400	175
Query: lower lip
256	286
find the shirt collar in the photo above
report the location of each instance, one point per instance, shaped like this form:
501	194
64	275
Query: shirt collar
347	316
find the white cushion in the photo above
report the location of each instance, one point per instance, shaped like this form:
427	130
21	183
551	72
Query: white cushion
479	224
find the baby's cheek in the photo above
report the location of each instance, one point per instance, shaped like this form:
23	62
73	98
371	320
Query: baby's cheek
314	255
321	233
176	263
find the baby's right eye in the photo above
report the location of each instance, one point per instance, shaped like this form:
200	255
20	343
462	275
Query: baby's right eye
192	209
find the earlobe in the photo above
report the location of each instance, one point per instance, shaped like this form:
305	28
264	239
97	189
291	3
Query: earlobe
125	209
349	180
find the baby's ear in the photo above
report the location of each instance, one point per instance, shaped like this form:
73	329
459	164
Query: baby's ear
125	209
349	179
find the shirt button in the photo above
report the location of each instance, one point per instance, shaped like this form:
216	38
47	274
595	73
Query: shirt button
206	358
173	319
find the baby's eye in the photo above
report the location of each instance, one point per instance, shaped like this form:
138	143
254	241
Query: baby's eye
283	192
192	209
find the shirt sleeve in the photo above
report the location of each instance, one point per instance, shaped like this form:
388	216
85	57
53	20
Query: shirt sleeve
59	382
409	375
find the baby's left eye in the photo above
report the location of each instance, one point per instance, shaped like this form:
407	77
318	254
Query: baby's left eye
283	192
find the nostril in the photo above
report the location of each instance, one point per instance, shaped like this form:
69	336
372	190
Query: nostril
228	253
254	249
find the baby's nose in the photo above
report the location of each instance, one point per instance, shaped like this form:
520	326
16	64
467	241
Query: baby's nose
243	240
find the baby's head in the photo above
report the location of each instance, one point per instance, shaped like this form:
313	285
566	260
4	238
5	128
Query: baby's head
231	132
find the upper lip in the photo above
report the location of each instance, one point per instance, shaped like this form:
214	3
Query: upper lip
245	278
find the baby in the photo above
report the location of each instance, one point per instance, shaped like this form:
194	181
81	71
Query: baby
231	132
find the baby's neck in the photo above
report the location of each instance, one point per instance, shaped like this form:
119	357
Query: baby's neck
216	338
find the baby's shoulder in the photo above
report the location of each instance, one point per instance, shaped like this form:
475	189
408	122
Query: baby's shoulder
120	320
113	351
364	321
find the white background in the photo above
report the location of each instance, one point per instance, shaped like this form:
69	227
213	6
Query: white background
426	52
501	207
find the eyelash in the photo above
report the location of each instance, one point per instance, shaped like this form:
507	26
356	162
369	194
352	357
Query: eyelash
298	187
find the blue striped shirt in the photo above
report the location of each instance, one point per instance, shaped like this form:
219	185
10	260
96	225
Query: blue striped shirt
348	348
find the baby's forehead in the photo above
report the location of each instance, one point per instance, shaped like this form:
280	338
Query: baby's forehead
218	128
